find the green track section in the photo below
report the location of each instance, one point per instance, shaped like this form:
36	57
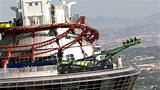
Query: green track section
107	54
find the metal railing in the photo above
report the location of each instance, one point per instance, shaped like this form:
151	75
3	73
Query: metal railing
25	71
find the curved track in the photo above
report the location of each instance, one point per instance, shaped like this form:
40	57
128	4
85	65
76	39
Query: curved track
86	32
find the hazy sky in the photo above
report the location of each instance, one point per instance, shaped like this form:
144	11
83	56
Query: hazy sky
96	8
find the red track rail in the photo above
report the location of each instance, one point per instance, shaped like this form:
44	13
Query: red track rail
89	33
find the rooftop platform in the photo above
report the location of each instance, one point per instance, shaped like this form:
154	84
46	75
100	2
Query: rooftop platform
67	78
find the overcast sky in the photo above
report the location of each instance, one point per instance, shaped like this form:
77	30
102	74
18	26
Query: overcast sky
96	8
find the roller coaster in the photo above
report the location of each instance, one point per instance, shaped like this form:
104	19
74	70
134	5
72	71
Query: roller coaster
89	33
93	63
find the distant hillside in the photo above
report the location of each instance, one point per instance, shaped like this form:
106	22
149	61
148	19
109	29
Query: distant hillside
149	25
115	29
148	51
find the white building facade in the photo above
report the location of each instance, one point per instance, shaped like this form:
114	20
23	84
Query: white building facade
38	12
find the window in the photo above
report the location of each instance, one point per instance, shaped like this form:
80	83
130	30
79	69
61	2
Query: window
40	58
49	57
70	57
30	4
45	58
97	49
36	3
55	57
67	37
11	61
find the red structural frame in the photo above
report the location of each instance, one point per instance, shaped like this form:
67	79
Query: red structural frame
89	33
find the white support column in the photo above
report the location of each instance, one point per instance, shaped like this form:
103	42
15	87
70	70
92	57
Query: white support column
120	65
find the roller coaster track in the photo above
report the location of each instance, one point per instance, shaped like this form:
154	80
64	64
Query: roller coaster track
89	33
106	53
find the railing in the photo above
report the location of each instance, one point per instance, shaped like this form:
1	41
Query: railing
26	35
28	71
41	71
